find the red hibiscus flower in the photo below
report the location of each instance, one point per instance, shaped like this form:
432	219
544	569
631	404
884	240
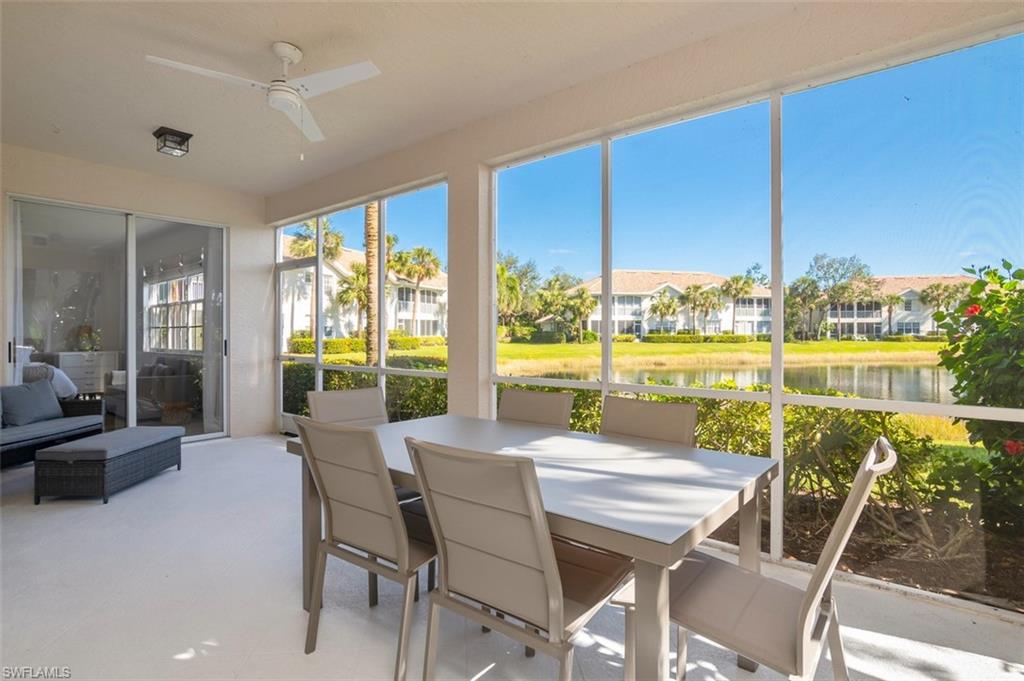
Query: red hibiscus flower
1014	447
972	310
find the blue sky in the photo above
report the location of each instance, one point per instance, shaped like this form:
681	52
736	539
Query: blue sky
419	218
917	170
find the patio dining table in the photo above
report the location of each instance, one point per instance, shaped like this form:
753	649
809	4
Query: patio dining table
650	500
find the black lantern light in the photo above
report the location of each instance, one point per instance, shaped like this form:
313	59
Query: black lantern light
170	141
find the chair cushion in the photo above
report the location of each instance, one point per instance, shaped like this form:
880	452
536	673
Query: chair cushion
47	430
110	445
416	523
739	609
30	402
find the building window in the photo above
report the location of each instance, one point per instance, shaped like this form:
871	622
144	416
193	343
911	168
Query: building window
908	305
174	314
908	328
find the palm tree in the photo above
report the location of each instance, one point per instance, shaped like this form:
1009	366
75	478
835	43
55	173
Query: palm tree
805	294
371	237
736	287
509	294
417	264
709	300
354	290
303	243
664	305
582	304
891	301
688	298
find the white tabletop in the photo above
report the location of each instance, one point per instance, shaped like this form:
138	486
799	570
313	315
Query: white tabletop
645	498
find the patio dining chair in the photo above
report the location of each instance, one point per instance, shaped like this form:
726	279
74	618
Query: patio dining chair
497	554
665	421
763	619
364	522
537	407
364	408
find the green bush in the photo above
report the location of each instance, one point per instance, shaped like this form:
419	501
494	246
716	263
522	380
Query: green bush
501	332
728	338
297	380
764	337
428	341
894	338
688	332
334	346
623	338
415	397
671	338
397	333
590	336
539	336
400	342
985	353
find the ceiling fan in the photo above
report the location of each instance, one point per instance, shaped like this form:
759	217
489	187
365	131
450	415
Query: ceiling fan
289	96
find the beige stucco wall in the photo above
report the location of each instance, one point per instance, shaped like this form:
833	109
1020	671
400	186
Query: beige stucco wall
252	401
814	42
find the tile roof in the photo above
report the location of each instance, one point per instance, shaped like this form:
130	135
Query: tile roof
901	283
642	282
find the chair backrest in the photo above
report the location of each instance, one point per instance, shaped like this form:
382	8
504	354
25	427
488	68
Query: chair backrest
880	459
492	534
534	406
361	407
666	421
360	507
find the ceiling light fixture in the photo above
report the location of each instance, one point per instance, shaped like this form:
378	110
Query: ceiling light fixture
171	142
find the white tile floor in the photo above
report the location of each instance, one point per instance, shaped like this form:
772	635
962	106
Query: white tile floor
195	574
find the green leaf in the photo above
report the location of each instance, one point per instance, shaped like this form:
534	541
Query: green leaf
1018	273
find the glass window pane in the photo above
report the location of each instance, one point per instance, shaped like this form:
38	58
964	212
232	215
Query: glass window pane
416	224
350	285
948	518
297	305
549	256
414	397
297	241
296	380
691	226
894	183
348	380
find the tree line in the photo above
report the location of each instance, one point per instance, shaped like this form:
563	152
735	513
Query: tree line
524	296
416	264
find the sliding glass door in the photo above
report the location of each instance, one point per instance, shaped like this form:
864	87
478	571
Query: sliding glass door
83	277
179	334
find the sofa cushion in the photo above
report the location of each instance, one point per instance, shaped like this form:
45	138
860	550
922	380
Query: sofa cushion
48	430
30	402
111	444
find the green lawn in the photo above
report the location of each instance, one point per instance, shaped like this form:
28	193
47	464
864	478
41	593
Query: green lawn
534	358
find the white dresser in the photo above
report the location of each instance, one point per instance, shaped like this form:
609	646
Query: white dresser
86	369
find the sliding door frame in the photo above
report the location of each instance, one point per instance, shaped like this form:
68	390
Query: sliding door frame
12	286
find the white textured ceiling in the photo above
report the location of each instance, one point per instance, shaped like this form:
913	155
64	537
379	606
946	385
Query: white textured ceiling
75	82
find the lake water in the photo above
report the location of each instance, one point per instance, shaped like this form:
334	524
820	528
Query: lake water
915	383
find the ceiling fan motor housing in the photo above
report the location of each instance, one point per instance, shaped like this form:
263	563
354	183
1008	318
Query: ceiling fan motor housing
283	97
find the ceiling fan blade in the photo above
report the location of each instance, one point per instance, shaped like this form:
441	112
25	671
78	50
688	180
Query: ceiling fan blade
303	120
316	84
209	73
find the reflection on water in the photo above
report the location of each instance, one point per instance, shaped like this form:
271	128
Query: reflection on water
914	382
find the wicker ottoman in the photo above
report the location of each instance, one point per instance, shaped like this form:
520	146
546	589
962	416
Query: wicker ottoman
100	465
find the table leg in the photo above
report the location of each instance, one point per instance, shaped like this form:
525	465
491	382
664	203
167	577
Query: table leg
750	551
312	532
652	600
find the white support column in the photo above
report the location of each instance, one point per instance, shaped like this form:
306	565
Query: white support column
778	333
470	291
318	324
131	322
606	264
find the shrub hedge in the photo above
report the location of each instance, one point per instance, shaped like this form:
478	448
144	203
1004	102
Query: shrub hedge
623	338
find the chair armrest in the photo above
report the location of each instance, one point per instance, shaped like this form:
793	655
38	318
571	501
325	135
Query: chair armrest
82	407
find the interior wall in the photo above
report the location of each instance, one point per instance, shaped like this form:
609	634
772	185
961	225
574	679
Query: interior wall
250	244
814	41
